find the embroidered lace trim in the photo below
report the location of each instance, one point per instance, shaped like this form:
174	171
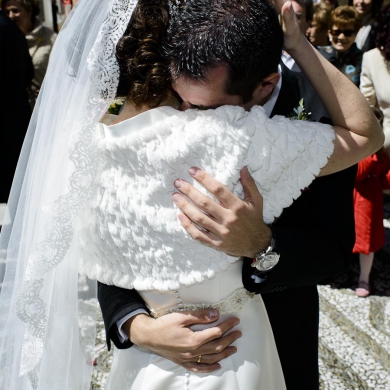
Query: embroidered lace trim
48	254
235	303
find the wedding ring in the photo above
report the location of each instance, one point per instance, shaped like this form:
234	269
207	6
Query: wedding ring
199	358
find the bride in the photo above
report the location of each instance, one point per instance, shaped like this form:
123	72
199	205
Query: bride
77	193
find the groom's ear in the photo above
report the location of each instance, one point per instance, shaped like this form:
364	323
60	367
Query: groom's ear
265	88
269	83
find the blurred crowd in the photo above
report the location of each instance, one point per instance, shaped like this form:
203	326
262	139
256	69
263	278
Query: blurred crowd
26	44
355	38
354	35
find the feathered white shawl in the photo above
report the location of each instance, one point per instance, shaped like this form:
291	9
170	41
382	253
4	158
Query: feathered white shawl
134	239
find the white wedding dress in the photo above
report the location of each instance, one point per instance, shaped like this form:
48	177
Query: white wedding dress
132	237
255	366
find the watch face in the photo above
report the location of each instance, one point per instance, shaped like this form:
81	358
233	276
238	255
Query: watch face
268	262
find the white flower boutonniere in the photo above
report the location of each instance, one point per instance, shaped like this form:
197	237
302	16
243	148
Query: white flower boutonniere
299	112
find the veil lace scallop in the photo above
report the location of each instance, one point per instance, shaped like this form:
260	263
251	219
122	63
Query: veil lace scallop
43	344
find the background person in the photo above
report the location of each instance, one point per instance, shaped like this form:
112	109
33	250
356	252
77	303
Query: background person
344	54
332	3
16	73
372	178
368	10
40	39
375	77
318	31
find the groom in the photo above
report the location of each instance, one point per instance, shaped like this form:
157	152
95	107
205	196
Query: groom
314	236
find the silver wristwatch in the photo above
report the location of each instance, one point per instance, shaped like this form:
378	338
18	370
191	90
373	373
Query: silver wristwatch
266	260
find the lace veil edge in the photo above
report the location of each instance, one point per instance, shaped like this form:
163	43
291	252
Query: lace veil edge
47	319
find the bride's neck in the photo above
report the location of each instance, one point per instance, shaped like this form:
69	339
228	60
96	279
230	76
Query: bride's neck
130	110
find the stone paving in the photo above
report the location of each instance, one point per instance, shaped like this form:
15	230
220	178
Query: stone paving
354	345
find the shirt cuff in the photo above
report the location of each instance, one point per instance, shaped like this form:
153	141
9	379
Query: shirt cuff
122	336
257	279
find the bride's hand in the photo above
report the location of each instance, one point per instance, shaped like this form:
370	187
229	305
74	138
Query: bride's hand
293	36
170	336
292	33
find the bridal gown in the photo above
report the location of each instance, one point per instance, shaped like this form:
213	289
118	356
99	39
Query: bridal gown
133	239
255	366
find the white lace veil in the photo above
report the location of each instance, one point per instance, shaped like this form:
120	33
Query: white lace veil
47	314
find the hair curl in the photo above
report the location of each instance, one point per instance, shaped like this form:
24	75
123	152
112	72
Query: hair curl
382	41
344	15
144	76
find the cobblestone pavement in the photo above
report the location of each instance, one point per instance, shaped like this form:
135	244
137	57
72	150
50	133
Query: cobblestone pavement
354	345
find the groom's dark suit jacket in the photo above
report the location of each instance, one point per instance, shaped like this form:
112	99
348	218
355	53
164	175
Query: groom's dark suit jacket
315	236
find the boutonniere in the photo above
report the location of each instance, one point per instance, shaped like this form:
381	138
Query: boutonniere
299	112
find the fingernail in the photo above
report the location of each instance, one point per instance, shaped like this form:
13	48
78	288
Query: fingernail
176	198
237	322
213	314
193	171
178	183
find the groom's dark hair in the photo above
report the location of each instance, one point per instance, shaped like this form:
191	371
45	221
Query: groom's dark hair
243	34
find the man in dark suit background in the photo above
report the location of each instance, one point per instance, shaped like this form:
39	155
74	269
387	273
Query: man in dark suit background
314	237
16	73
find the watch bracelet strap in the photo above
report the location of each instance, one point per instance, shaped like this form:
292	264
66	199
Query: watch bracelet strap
272	247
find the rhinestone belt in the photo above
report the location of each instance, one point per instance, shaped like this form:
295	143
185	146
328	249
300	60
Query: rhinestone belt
234	303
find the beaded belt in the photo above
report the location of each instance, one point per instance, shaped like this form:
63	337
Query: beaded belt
234	303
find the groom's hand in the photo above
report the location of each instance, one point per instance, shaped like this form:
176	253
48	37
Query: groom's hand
233	226
170	336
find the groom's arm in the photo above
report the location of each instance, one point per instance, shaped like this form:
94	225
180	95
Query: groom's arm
169	336
117	303
314	236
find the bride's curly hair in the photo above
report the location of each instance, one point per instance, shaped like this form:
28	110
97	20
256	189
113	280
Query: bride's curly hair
144	74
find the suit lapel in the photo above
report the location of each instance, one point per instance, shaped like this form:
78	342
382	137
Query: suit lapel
288	98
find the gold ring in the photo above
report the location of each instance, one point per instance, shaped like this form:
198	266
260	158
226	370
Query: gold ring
199	358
